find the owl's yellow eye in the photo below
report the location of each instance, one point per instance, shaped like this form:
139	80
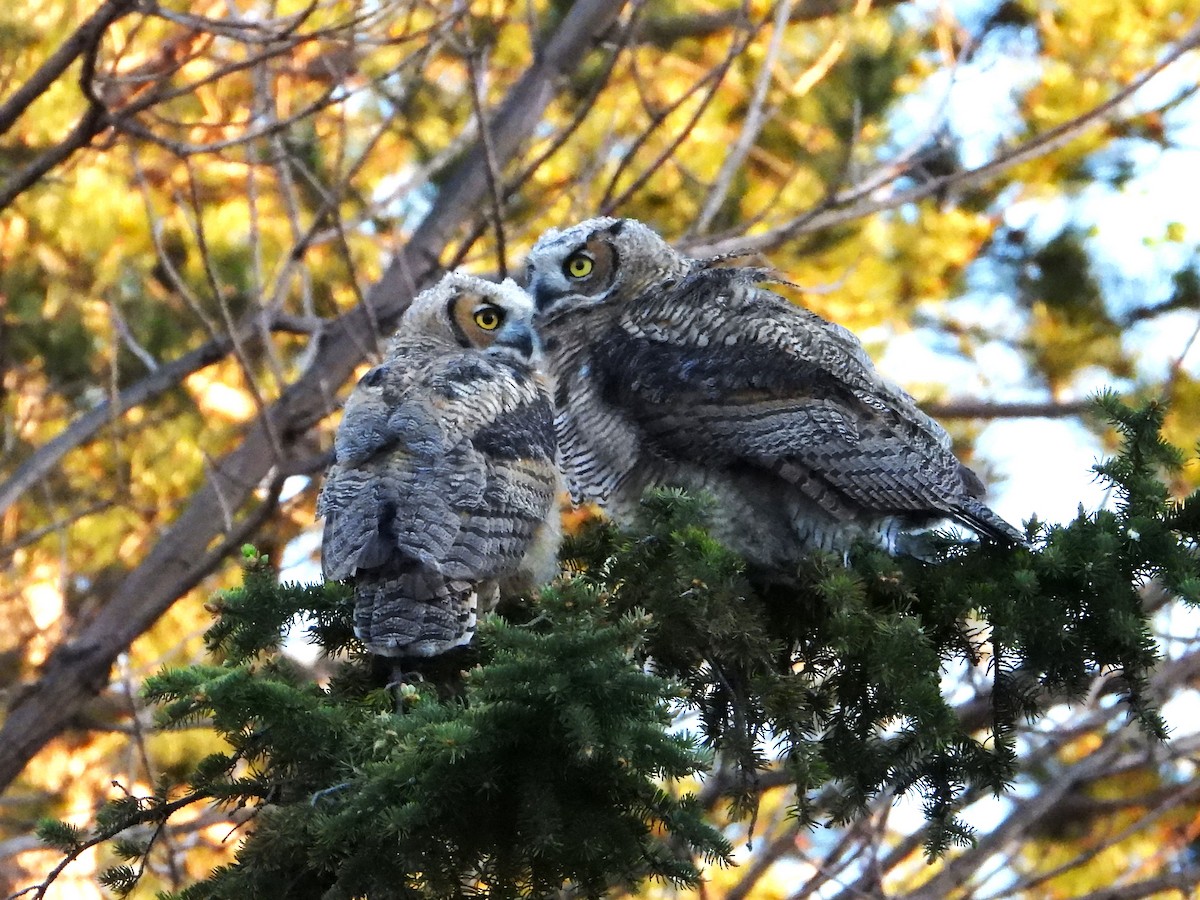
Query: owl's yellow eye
579	265
489	318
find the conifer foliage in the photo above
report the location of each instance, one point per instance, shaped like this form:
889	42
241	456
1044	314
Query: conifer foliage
552	753
545	771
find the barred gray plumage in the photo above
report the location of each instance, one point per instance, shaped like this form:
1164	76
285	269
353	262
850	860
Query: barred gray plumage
443	488
673	371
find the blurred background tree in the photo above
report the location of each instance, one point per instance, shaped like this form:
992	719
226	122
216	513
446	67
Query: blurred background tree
211	213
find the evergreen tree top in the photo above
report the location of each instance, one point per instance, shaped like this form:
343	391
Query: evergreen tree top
546	756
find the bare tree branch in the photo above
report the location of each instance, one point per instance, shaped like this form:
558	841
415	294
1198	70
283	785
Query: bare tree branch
756	117
860	201
249	332
712	79
583	109
7	551
99	116
83	41
663	31
181	557
495	200
776	848
1183	882
84	429
237	347
984	409
92	123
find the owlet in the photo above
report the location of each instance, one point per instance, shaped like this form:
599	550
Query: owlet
443	488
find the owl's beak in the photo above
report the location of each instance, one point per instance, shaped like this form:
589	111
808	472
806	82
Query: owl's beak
518	336
544	294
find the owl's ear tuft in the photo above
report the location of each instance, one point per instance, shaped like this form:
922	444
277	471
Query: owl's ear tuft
616	227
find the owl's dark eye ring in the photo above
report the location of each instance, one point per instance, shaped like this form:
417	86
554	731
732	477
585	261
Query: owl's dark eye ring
579	264
488	317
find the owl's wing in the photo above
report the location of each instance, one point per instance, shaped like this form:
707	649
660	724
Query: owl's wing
719	371
446	481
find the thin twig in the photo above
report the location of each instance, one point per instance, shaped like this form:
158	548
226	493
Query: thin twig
121	327
237	346
7	551
83	429
984	409
756	117
82	42
496	201
143	752
582	111
712	79
149	814
665	30
860	201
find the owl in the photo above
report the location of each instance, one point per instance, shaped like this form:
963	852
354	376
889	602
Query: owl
444	484
674	371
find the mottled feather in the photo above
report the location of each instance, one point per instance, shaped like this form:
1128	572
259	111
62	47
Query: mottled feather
444	480
703	378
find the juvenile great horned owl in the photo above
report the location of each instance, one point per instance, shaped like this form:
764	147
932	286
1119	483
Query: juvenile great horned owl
673	372
443	487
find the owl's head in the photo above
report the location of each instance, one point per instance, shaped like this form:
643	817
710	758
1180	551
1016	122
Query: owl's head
598	261
474	314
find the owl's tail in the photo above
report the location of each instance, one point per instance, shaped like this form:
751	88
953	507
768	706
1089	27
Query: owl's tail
413	612
986	523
